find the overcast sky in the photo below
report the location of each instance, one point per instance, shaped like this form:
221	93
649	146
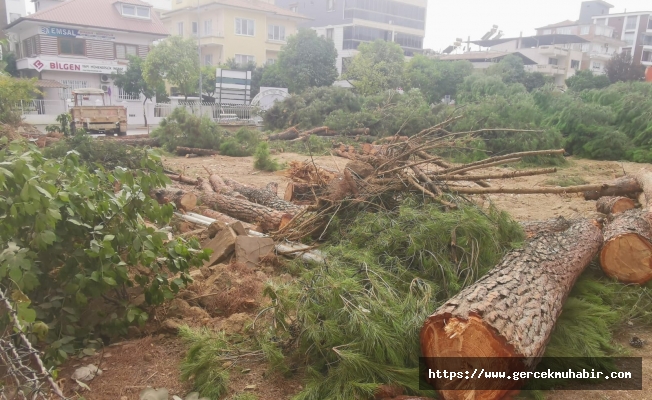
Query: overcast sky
450	19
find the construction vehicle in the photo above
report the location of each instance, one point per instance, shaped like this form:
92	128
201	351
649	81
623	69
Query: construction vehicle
91	113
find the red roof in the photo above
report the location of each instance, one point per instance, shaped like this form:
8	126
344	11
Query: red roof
561	24
98	14
252	5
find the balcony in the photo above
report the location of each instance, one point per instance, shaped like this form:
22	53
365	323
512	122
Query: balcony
551	69
552	51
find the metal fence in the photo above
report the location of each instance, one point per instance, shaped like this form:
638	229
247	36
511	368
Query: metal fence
239	113
42	107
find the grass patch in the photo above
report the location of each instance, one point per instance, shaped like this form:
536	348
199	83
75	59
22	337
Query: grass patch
566	181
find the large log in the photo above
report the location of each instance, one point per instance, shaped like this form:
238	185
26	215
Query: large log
533	228
644	180
510	312
262	196
216	215
182	151
627	251
289	134
614	205
184	179
184	200
625	186
153	142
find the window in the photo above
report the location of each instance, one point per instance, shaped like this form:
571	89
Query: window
294	7
647	40
124	50
547	31
601	21
553	61
180	28
13	17
564	31
243	59
585	30
208	27
271	61
71	85
585	47
631	23
129	10
29	47
74	47
330	5
195	28
596	65
649	23
276	32
329	33
208	60
575	64
244	27
629	38
647	56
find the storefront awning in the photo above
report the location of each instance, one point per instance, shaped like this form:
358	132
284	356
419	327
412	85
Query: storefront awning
49	83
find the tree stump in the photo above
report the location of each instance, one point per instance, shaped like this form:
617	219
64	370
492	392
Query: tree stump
627	251
624	186
614	205
510	312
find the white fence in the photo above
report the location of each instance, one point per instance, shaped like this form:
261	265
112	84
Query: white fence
238	113
42	107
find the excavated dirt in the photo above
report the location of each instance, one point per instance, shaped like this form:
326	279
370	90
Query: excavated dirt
153	360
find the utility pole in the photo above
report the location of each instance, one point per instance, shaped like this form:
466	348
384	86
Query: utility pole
199	54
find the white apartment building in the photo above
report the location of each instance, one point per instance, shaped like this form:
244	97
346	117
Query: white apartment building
10	11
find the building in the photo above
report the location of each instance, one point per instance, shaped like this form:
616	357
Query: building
10	10
79	43
547	54
159	6
352	22
243	30
635	29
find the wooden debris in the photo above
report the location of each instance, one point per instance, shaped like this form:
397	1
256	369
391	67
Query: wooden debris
249	250
182	151
289	134
222	245
511	312
614	205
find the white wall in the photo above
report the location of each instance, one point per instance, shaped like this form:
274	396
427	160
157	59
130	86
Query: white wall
15	7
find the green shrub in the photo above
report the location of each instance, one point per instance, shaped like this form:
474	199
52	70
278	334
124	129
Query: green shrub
242	144
310	108
263	160
186	130
108	153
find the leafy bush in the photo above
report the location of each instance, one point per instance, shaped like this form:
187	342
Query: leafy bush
186	130
70	237
12	91
110	154
262	159
310	108
242	144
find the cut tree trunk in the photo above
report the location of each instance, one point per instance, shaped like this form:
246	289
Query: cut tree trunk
358	131
625	186
207	212
614	205
644	180
533	228
303	193
267	218
184	179
153	142
510	312
321	131
290	134
627	251
186	201
182	151
262	196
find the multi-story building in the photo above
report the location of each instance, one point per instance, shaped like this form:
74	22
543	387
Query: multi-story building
159	5
79	43
602	42
10	10
635	29
545	54
243	30
351	22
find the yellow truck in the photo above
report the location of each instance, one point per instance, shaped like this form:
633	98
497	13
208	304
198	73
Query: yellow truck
91	113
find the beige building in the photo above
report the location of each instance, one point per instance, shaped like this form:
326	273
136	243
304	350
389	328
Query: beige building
245	30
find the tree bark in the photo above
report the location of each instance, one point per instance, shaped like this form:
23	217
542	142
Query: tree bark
614	205
358	131
216	215
320	131
533	228
154	142
506	175
625	186
289	134
627	251
262	196
267	218
510	312
608	188
182	151
644	180
186	201
183	179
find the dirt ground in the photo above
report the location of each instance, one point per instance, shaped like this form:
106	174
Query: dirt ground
153	360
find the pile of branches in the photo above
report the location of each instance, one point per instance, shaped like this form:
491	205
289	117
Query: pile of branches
383	173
